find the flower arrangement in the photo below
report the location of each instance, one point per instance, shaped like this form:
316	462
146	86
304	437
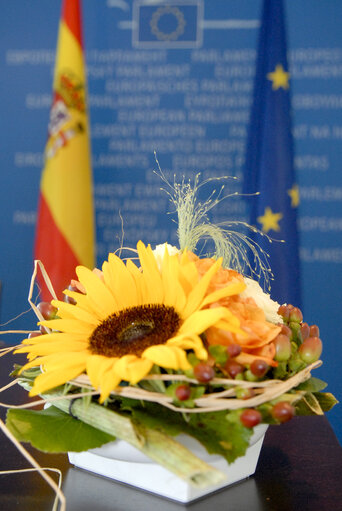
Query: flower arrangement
174	343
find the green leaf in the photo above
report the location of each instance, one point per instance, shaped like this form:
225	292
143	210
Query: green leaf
52	430
219	436
309	405
326	400
160	418
126	404
296	365
280	372
192	359
219	353
153	385
27	375
312	385
197	391
212	430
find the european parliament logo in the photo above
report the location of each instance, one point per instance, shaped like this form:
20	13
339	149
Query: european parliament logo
169	24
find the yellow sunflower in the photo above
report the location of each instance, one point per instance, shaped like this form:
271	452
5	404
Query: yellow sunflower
129	319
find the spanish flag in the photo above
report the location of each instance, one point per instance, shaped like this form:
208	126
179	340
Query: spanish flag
65	221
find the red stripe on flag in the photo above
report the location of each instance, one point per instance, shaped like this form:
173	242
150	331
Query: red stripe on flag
53	250
71	15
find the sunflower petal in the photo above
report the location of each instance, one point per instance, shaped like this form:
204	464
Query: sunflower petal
151	273
36	362
61	360
109	381
122	285
199	321
139	369
234	288
188	272
170	357
68	325
84	303
174	294
132	368
95	287
48	348
49	380
69	311
96	366
140	282
110	281
55	336
187	342
197	294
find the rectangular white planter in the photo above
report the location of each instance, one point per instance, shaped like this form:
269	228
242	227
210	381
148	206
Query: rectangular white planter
139	471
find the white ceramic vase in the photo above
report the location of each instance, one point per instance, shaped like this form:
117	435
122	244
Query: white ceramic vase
124	463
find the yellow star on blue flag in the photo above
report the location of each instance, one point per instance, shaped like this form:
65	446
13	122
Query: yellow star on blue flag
279	78
269	166
270	220
294	195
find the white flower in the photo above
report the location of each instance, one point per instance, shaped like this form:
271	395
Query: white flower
263	300
159	252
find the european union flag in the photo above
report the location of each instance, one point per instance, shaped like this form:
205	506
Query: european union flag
167	24
269	158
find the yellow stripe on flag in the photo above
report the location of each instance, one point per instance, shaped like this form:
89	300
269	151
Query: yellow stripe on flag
66	180
69	54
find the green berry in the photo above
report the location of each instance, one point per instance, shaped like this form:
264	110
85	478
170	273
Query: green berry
283	348
310	350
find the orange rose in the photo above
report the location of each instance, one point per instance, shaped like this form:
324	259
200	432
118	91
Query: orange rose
259	333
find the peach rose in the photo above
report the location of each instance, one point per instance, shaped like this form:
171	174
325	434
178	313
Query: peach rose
259	333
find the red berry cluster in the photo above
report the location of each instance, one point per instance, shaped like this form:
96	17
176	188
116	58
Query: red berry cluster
294	329
281	412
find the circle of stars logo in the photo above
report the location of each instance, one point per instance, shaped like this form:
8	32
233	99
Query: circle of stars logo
175	15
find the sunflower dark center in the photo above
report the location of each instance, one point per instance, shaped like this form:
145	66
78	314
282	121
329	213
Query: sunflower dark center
132	330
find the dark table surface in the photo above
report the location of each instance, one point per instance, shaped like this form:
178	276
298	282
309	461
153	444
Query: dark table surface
300	468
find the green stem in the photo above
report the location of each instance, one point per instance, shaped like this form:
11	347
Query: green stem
158	446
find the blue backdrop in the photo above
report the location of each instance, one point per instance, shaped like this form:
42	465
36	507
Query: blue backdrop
188	98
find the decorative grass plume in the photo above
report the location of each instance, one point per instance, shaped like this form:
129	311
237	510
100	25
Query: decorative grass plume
239	251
